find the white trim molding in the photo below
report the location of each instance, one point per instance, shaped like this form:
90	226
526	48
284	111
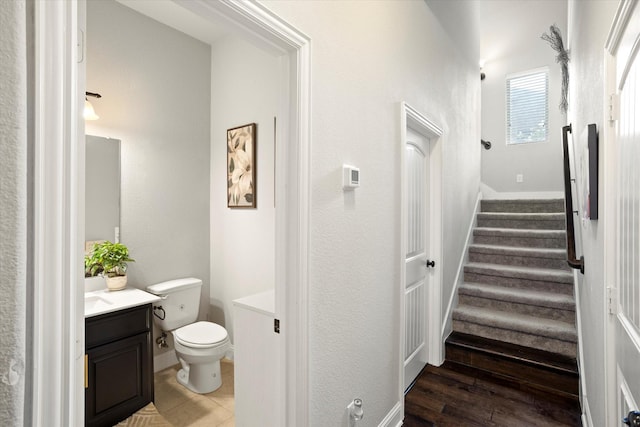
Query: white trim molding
58	334
394	418
620	21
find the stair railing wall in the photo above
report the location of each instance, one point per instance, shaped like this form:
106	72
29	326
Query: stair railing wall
573	262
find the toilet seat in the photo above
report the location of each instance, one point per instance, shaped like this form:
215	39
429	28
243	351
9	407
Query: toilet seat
201	335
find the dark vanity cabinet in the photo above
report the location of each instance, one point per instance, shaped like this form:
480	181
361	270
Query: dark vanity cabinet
118	365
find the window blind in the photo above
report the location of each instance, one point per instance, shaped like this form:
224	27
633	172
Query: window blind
528	107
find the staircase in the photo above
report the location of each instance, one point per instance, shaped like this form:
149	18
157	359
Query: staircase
516	311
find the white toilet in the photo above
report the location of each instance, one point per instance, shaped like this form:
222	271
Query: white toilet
200	345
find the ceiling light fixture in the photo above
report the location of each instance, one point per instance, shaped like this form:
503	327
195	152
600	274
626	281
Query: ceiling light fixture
89	113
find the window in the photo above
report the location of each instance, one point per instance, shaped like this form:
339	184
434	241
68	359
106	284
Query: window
528	107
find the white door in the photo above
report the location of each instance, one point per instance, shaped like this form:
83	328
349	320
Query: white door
416	252
624	210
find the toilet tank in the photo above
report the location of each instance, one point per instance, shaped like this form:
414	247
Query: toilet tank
180	302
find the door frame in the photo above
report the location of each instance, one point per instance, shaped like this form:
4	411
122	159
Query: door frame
419	123
611	76
58	297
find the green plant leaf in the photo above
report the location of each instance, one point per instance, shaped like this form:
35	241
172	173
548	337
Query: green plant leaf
107	259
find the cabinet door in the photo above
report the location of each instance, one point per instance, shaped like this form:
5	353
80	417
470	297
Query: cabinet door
120	380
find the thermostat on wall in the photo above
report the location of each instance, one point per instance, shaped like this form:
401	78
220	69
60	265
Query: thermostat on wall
350	177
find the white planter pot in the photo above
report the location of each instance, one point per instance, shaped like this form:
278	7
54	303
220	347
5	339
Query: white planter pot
116	283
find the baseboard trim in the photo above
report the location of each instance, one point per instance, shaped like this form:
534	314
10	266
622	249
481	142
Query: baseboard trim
447	325
490	193
580	355
394	418
587	421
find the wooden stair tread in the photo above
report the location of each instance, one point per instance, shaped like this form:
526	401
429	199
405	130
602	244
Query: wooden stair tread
527	355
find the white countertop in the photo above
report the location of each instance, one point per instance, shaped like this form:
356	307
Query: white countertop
104	301
264	302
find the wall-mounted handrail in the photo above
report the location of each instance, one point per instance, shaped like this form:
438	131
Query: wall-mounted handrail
568	206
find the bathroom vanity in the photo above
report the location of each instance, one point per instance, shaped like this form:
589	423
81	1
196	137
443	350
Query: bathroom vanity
119	355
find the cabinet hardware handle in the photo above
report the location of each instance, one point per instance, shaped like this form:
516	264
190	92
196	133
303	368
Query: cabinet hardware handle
86	371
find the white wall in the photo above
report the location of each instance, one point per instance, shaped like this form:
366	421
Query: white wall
511	43
589	23
367	56
244	89
155	83
13	212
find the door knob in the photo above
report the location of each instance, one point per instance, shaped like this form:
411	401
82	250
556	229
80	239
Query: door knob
633	419
431	263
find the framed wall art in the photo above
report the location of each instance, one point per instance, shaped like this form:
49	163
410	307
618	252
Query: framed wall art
241	166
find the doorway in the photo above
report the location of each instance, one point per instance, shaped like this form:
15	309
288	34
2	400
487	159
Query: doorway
421	245
58	331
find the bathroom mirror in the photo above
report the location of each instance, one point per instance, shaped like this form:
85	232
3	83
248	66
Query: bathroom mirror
102	188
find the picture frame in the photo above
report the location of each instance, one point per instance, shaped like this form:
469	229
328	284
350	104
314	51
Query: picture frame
241	166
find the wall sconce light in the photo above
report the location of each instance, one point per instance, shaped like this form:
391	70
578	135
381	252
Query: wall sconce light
89	113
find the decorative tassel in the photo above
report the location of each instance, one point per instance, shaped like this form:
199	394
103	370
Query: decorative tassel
554	38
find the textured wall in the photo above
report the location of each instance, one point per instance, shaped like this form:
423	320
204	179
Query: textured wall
244	89
510	45
589	23
367	56
155	83
13	210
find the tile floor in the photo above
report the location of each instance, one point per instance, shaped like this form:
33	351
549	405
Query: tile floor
183	408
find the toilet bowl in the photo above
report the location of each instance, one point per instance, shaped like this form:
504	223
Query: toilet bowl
200	345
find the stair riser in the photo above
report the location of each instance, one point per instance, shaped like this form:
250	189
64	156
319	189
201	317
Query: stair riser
547	380
534	341
528	207
512	282
529	242
518	261
525	224
513	307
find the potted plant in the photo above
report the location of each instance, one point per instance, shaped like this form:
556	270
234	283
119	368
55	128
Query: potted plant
110	261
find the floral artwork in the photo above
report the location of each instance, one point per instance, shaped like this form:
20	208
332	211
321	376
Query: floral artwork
241	167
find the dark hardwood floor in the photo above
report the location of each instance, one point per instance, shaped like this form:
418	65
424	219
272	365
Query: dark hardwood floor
454	395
